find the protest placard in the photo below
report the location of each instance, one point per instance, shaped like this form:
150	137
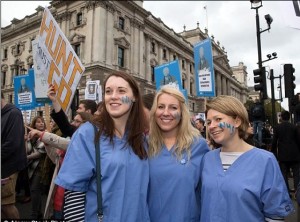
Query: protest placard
204	69
56	62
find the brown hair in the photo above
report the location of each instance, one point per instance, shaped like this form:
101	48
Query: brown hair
33	122
89	104
136	123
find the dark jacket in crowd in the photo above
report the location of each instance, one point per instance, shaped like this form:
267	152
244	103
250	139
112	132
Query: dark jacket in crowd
257	113
13	154
63	123
284	145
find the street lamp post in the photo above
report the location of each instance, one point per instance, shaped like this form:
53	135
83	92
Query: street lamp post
256	5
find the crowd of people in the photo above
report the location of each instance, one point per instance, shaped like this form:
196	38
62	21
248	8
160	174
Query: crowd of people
155	162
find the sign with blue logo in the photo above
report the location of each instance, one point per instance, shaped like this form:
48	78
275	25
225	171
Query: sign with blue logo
204	69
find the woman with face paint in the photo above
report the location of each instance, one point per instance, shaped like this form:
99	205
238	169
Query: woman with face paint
239	182
176	149
124	164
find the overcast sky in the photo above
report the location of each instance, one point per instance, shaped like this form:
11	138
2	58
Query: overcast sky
232	24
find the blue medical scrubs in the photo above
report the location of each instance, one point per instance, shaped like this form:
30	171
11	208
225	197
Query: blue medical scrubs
173	194
251	189
125	177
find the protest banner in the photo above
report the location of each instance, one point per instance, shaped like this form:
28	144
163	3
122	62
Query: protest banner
93	91
204	69
168	74
24	93
56	62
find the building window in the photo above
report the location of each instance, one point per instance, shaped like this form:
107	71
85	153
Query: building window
191	68
79	19
18	49
5	54
153	47
191	88
183	64
121	23
3	77
174	57
152	74
17	70
40	113
11	98
77	49
193	106
121	52
183	83
164	53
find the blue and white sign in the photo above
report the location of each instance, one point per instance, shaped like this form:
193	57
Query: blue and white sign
24	92
168	74
204	69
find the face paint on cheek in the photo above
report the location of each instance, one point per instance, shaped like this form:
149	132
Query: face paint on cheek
177	115
224	125
126	100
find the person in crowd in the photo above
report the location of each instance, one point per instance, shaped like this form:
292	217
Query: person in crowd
124	164
175	153
286	149
59	116
13	156
23	181
148	102
250	134
56	147
99	108
200	125
257	118
36	155
239	182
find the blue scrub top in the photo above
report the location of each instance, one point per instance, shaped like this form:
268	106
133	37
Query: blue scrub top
251	189
173	194
125	177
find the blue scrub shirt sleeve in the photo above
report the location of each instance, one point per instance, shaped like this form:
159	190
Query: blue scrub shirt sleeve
274	194
79	164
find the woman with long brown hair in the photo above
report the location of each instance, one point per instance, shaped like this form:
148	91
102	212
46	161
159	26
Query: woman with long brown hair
124	165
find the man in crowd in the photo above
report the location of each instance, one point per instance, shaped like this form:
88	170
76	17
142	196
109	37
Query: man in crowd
285	148
199	123
13	156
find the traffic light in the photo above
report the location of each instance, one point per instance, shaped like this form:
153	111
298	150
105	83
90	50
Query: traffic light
260	78
289	78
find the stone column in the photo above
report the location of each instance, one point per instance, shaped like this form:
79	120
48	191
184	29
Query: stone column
224	86
219	86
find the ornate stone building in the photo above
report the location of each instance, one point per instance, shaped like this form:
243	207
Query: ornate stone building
118	35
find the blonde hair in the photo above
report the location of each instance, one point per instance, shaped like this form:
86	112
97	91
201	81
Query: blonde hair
186	132
231	106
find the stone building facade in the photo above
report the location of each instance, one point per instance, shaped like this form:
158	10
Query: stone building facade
118	35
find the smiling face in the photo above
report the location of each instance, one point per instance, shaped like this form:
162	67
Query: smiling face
168	113
118	97
222	128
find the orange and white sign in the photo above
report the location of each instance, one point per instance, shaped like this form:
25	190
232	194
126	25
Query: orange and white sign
56	62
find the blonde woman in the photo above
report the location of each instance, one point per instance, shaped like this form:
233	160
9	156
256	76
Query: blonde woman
176	149
239	182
